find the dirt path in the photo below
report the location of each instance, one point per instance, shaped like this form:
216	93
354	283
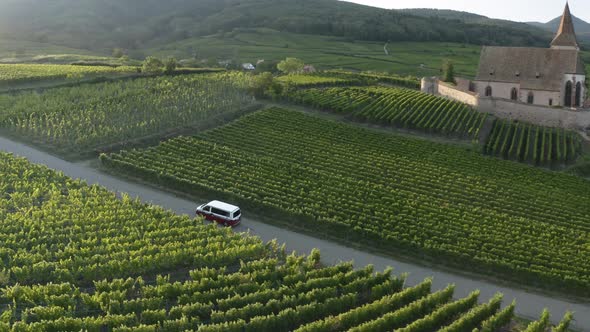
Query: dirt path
530	304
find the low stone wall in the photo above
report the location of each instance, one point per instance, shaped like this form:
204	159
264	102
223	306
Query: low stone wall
449	91
540	115
507	109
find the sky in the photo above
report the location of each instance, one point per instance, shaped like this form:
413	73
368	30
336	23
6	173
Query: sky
513	10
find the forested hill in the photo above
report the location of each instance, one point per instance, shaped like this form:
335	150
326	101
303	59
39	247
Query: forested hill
101	25
582	28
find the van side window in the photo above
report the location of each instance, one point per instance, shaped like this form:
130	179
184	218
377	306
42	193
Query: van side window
207	209
220	212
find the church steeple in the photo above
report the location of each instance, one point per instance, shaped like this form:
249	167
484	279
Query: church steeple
566	35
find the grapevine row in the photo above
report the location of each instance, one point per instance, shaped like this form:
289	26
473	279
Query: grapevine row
391	192
397	107
408	82
99	263
533	144
308	81
82	118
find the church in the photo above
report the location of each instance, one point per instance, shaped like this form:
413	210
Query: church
552	76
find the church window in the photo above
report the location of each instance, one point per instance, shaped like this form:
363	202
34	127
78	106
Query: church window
550	101
514	94
488	91
531	98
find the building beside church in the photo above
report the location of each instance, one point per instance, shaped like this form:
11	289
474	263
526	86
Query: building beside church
552	76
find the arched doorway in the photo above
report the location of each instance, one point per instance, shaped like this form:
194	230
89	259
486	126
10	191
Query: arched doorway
578	94
568	94
488	91
514	94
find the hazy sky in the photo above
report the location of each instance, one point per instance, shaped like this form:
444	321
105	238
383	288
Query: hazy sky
514	10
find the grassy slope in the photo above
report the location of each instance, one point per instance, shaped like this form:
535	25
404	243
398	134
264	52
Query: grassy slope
326	52
12	51
250	45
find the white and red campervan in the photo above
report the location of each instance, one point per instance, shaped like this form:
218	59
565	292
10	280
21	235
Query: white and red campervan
222	213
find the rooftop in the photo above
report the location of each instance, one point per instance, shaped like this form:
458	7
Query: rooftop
532	68
223	206
566	34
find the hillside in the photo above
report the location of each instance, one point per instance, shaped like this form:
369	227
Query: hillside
582	27
471	18
140	24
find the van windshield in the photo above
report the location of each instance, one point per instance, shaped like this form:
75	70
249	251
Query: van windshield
237	213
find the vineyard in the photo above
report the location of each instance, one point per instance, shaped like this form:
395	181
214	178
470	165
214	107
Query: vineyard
408	196
54	229
397	107
533	144
374	78
80	119
16	73
305	81
76	258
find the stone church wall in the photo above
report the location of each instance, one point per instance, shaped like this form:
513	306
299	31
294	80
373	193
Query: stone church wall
506	109
449	91
540	115
499	90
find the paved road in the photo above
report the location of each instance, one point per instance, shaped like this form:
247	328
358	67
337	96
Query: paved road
530	305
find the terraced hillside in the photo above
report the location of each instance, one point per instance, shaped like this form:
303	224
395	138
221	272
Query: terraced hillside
401	195
76	258
397	107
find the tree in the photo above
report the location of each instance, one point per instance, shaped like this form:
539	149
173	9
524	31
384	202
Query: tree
170	65
267	66
448	72
291	65
118	53
265	85
152	65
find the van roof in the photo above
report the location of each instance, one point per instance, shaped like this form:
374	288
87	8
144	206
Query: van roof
223	206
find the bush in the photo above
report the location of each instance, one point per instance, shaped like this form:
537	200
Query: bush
170	65
291	65
152	65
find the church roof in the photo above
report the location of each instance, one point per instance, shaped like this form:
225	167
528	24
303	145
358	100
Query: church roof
532	68
566	35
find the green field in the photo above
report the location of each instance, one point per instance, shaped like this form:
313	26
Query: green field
313	80
17	50
401	195
22	73
326	52
76	120
250	45
76	258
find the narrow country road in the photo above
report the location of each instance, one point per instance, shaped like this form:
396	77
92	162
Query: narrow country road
529	306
